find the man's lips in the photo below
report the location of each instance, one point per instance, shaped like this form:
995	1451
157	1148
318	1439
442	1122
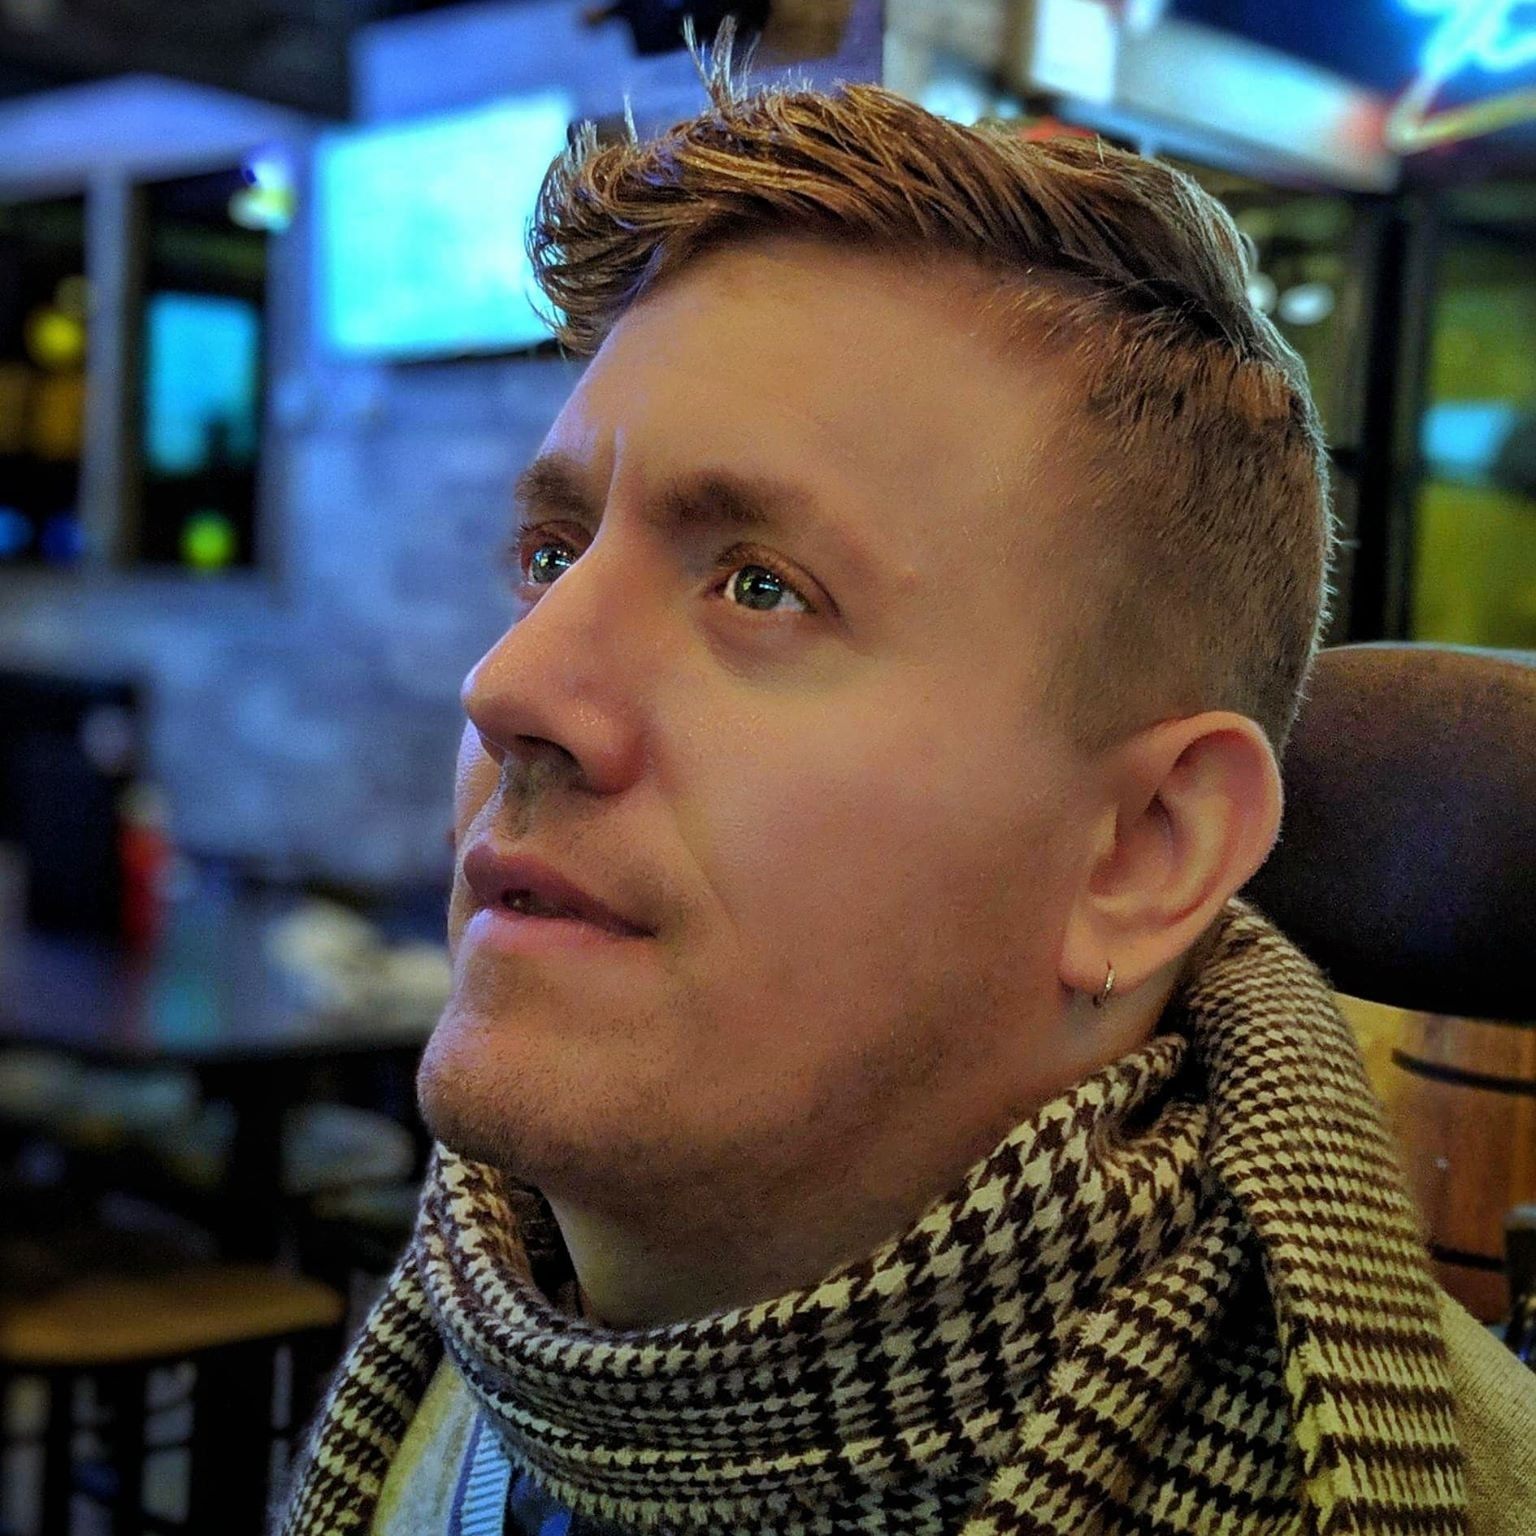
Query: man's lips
498	876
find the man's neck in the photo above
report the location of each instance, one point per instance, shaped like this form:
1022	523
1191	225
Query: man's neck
733	1241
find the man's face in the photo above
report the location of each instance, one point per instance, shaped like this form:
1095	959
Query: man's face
807	758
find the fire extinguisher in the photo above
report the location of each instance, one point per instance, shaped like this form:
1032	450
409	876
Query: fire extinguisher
144	856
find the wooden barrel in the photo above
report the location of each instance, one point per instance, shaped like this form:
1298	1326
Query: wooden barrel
1461	1100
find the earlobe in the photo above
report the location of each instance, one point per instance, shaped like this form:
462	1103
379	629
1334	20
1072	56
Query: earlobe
1102	997
1197	808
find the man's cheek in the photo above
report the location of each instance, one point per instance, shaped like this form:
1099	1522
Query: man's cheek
474	781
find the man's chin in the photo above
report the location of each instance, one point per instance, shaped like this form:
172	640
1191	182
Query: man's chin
455	1106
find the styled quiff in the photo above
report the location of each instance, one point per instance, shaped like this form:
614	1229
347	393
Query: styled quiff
1195	544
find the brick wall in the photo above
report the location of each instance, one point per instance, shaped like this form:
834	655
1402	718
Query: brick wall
305	719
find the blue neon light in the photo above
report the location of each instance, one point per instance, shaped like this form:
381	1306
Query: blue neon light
1461	439
62	541
15	533
1480	33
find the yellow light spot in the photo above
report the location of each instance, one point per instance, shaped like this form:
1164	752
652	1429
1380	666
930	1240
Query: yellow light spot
56	341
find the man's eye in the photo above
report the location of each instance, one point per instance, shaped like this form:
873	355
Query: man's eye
541	572
751	584
755	580
534	559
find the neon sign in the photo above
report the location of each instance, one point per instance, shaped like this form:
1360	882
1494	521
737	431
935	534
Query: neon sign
1472	34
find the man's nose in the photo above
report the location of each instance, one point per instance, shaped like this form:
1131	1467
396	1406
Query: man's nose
561	685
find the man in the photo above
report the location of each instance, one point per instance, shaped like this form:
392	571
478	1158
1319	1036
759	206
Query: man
863	1104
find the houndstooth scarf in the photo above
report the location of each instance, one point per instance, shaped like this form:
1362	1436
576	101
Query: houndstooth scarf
1187	1297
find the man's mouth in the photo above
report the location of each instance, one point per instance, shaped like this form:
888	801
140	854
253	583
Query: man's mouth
531	905
517	882
527	921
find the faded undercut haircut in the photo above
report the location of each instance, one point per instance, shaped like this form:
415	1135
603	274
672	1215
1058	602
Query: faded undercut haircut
1196	539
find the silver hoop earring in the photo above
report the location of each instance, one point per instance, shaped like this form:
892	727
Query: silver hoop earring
1109	986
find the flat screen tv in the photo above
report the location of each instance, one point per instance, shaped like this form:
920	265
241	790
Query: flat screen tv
422	226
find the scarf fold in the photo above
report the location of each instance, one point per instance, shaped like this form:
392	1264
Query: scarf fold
1188	1296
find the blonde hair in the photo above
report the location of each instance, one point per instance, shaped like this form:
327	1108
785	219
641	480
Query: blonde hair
1198	535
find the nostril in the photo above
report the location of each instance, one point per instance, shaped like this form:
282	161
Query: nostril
492	748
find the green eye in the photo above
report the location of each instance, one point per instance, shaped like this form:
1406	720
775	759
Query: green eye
761	584
541	564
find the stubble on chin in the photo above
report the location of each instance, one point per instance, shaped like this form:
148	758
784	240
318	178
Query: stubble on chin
452	1106
506	1080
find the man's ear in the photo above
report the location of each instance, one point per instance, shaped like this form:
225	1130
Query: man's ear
1194	810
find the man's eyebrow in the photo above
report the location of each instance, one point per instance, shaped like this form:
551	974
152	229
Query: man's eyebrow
715	498
553	483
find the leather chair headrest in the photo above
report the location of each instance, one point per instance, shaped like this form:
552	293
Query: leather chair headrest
1406	865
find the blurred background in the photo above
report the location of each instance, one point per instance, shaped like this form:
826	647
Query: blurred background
268	366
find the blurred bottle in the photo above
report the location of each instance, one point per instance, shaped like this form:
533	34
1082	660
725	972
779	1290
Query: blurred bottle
144	857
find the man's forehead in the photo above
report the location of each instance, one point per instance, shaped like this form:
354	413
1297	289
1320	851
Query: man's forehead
810	387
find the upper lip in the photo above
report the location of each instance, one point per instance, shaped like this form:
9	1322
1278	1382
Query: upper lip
494	874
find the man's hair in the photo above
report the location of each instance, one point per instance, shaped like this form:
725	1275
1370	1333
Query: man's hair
1196	539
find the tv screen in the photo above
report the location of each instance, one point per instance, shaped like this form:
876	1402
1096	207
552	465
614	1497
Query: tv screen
422	227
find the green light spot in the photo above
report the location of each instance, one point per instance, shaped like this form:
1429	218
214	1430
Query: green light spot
207	541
